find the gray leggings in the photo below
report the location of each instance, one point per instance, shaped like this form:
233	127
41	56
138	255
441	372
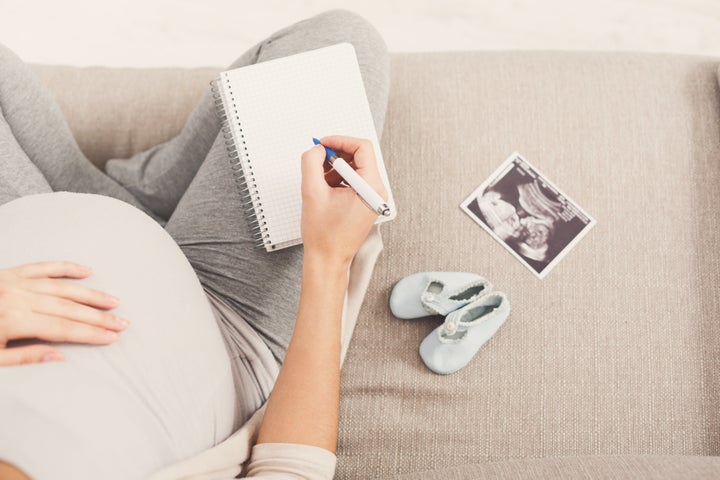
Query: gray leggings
185	184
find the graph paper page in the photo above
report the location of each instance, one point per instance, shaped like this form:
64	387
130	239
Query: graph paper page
276	107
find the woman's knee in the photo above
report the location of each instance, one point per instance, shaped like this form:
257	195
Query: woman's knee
371	51
6	54
353	28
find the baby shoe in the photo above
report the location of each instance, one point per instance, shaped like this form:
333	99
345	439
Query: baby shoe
435	293
453	344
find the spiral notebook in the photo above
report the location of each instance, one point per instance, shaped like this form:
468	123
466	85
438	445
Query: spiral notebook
270	113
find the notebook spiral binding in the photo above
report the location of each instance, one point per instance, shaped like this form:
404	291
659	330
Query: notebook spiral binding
243	179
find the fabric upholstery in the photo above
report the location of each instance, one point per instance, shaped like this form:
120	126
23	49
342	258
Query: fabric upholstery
615	352
601	467
117	112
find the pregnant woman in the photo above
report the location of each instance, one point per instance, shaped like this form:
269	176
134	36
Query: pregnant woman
139	323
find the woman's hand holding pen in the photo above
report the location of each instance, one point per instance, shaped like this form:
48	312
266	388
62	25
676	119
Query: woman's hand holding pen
335	221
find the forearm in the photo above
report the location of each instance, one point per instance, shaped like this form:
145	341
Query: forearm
10	472
304	405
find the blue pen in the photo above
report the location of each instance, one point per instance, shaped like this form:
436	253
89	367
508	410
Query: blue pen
369	196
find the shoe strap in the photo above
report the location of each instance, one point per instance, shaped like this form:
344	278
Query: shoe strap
454	324
451	326
441	303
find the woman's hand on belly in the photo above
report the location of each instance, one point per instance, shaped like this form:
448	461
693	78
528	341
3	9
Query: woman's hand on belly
37	302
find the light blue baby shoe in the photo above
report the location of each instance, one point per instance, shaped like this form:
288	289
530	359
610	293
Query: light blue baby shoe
435	293
453	344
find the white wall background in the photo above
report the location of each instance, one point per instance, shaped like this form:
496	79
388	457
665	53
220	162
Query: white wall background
191	33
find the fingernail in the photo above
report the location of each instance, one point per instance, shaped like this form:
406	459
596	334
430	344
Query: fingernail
122	322
52	357
110	335
113	300
85	269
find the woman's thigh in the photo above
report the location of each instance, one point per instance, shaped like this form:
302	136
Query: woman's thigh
209	224
162	392
37	131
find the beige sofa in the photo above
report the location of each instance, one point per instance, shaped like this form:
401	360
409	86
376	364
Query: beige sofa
607	368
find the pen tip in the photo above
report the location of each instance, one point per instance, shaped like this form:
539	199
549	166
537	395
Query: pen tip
316	141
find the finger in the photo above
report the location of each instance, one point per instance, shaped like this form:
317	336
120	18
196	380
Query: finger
29	354
53	269
343	143
312	170
361	150
363	154
58	329
72	291
77	312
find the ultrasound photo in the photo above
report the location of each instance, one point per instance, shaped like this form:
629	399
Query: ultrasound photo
528	215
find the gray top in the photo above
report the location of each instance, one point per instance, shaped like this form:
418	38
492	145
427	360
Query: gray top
255	370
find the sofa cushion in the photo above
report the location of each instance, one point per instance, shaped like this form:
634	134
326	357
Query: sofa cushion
616	350
114	112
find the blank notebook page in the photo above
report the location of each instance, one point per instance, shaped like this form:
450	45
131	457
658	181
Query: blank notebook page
276	107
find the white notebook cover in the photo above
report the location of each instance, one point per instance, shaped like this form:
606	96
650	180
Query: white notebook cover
275	108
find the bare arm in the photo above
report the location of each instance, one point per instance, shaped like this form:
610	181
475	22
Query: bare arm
10	472
303	407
